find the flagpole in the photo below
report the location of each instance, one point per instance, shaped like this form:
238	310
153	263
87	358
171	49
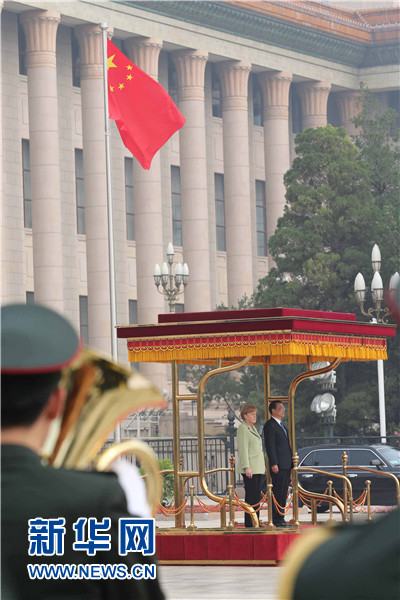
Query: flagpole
114	346
113	310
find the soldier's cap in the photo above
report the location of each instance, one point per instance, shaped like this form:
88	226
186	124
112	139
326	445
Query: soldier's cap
35	340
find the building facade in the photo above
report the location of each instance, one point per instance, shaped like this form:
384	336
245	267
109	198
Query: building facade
247	76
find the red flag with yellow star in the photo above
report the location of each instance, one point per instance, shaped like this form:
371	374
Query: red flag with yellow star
145	114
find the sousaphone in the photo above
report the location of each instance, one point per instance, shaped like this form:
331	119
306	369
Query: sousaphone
100	393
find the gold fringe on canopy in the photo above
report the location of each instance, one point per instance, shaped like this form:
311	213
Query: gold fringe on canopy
281	347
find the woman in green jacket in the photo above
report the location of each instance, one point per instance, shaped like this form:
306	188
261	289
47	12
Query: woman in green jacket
251	458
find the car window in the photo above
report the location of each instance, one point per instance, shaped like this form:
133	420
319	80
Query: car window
392	455
308	461
328	458
362	458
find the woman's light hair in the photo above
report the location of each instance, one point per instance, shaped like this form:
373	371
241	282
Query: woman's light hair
247	408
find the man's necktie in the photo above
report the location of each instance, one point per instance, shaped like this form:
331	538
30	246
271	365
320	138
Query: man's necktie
283	427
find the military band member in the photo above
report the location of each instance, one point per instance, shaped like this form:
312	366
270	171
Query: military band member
349	562
46	511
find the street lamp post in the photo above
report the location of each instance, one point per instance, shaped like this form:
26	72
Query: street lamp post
171	282
377	314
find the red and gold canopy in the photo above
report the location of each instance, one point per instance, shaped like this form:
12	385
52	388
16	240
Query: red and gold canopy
283	335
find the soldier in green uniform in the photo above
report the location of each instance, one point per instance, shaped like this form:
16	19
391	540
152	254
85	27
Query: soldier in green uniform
350	562
46	511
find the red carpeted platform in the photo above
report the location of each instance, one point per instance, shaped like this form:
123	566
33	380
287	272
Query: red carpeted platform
215	547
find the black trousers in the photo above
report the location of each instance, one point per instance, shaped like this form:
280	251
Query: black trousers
280	486
252	488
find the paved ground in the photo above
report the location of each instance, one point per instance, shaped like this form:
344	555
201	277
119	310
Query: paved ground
220	583
227	583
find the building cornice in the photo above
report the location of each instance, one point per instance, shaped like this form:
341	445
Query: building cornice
342	36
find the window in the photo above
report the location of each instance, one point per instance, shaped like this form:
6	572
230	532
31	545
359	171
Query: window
79	190
26	184
220	211
362	458
133	314
392	455
76	61
257	103
176	206
332	111
180	308
30	298
261	211
84	319
133	320
22	50
294	102
328	458
129	199
216	94
172	81
308	461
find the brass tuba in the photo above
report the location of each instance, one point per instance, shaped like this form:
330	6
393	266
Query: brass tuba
100	393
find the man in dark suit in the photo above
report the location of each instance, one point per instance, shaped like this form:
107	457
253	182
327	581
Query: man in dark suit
46	511
279	456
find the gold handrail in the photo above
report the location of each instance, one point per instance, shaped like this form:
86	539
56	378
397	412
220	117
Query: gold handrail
189	475
292	390
377	472
324	497
346	480
200	431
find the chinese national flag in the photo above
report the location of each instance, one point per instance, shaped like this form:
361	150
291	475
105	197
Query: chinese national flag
145	114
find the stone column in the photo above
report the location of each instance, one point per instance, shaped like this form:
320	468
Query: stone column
234	77
95	186
347	103
190	66
314	101
145	52
275	89
40	31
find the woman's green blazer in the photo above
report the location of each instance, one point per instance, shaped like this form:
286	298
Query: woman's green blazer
251	452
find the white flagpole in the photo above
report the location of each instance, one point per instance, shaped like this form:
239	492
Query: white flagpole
113	310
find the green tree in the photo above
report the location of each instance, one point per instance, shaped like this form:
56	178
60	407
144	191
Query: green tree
336	210
327	230
234	388
164	464
224	387
342	198
377	138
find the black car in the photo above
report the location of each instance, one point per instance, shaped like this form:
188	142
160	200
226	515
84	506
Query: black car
381	458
